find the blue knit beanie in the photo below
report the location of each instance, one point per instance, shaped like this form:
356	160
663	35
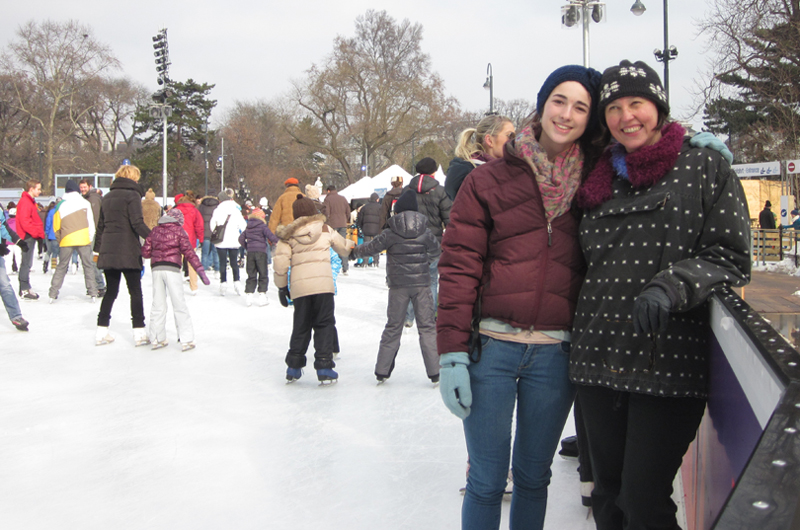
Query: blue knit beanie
588	77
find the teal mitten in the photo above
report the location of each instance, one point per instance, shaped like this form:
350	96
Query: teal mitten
707	139
454	383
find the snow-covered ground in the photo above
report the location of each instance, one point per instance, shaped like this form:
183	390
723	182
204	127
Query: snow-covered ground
118	437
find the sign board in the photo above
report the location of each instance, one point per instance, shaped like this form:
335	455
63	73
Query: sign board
792	167
762	169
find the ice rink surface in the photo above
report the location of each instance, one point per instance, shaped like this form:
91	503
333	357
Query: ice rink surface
119	437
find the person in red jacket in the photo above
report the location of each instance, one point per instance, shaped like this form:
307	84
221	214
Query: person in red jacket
193	224
29	229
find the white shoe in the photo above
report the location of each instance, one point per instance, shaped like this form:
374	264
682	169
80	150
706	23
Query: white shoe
75	269
102	336
140	337
237	286
222	288
52	300
186	346
158	345
93	299
262	299
248	299
193	293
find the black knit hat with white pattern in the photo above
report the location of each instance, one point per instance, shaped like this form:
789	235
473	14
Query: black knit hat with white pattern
631	80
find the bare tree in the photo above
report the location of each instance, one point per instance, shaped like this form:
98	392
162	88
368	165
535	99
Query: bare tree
752	92
50	66
371	96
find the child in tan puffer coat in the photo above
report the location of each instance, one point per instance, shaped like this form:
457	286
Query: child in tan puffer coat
304	246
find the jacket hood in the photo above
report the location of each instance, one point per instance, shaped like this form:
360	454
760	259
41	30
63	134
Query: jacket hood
423	183
305	230
208	200
150	194
408	224
164	219
121	183
255	222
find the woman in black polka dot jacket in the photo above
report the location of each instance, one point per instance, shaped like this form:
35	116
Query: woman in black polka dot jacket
665	226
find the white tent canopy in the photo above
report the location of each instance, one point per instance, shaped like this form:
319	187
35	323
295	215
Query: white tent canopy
382	182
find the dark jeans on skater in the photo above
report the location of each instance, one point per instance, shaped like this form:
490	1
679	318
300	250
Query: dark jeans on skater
313	312
226	254
26	264
133	279
257	272
637	443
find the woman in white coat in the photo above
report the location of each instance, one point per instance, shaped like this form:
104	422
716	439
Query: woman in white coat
231	213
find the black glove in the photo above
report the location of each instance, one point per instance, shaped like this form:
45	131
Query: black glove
284	296
651	311
352	256
4	249
23	245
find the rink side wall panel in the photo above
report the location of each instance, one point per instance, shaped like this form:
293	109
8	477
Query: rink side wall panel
743	470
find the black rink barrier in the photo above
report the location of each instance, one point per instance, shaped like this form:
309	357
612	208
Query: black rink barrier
743	471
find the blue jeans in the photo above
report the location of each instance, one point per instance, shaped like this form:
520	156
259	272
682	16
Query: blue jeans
210	258
7	293
534	377
434	271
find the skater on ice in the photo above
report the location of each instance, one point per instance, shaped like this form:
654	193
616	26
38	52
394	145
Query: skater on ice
304	247
166	247
410	248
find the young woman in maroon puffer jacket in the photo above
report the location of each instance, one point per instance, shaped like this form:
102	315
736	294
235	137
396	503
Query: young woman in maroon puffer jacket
510	274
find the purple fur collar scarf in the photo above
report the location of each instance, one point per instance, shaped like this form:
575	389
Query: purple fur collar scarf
646	166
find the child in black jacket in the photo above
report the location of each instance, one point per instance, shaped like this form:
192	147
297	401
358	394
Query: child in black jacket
410	247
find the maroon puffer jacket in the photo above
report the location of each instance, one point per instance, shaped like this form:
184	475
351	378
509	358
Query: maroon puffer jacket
498	243
165	245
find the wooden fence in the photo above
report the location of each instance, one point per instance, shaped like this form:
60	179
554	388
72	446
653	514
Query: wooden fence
774	245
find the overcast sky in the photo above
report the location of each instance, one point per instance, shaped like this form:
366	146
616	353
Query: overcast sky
252	50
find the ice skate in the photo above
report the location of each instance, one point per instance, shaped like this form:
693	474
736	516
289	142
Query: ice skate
102	336
186	346
293	374
20	323
237	286
248	299
28	294
140	337
327	376
262	299
223	287
381	378
158	345
434	379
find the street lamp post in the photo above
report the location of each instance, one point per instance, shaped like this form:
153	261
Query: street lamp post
582	11
205	153
669	53
489	85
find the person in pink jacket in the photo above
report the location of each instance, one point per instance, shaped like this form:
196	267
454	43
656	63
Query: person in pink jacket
166	247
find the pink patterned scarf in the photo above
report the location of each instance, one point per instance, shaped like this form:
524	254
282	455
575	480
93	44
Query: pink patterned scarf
558	180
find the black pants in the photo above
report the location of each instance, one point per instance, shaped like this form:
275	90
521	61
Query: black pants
224	255
637	443
257	272
133	279
313	312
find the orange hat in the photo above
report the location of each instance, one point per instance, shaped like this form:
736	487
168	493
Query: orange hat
291	181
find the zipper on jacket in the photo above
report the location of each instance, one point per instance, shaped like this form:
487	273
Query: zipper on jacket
549	234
